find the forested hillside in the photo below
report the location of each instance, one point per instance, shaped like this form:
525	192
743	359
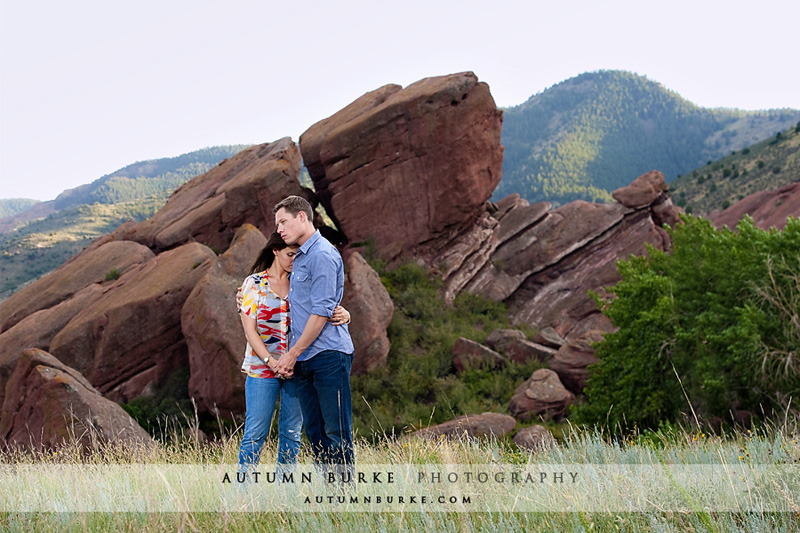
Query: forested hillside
157	177
12	206
78	216
591	134
764	166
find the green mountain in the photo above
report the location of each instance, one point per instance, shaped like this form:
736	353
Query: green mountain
157	177
12	206
38	240
591	134
766	165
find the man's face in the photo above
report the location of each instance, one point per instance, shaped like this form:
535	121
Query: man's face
290	228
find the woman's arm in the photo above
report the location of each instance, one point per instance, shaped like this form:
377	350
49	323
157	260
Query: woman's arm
249	325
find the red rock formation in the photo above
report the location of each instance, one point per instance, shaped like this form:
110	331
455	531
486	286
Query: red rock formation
48	404
210	208
213	329
541	395
470	354
767	208
371	311
77	273
542	263
492	425
430	153
571	360
132	334
36	330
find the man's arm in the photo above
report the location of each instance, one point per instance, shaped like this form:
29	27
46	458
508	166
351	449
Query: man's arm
285	365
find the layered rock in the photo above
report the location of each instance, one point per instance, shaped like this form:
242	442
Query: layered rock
541	395
371	311
211	207
38	329
131	335
213	330
49	404
74	275
489	425
430	151
767	208
543	262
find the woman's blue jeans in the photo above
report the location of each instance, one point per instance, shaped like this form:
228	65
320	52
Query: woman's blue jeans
260	395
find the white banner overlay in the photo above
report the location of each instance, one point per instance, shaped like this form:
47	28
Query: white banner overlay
623	488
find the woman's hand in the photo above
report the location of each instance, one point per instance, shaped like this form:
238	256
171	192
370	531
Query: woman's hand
239	299
340	316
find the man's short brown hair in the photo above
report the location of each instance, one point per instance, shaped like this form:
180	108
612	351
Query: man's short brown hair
293	205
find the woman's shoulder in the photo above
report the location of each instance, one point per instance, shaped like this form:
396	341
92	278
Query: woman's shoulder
257	279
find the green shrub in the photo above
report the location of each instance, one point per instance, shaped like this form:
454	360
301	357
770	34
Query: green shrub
419	386
112	274
700	331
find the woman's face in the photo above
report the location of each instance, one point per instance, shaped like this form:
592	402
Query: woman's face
285	257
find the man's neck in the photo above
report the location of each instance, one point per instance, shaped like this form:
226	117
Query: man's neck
307	235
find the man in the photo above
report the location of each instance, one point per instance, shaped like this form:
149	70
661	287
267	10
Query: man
321	354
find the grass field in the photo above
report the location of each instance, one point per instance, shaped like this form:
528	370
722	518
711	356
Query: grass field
643	481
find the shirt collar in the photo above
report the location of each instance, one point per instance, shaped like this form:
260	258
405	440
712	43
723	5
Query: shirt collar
310	242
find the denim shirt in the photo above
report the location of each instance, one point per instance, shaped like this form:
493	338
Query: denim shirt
316	286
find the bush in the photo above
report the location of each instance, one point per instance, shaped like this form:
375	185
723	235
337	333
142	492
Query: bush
708	329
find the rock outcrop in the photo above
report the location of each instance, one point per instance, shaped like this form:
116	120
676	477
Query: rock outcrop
74	275
541	395
48	404
542	262
371	311
534	438
213	330
767	208
131	335
469	354
571	360
430	152
211	207
488	425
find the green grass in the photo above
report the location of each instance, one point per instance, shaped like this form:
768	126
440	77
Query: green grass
587	451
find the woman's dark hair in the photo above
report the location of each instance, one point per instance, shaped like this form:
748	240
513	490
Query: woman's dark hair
266	257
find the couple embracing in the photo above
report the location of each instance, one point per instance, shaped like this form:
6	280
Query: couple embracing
306	356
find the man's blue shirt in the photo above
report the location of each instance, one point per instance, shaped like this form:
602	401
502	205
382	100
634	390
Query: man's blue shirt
316	287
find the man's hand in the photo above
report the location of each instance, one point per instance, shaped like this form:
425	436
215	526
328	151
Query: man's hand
284	368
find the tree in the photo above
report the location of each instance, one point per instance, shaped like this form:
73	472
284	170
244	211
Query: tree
706	330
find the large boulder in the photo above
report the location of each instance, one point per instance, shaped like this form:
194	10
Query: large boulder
571	360
131	336
49	404
541	395
213	329
487	425
534	438
210	207
767	208
430	151
110	259
371	311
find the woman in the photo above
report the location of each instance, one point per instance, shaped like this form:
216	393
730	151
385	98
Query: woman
264	312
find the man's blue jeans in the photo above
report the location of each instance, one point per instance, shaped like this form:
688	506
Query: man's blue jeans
261	394
323	386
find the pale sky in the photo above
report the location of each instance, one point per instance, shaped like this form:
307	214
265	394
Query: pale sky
90	86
